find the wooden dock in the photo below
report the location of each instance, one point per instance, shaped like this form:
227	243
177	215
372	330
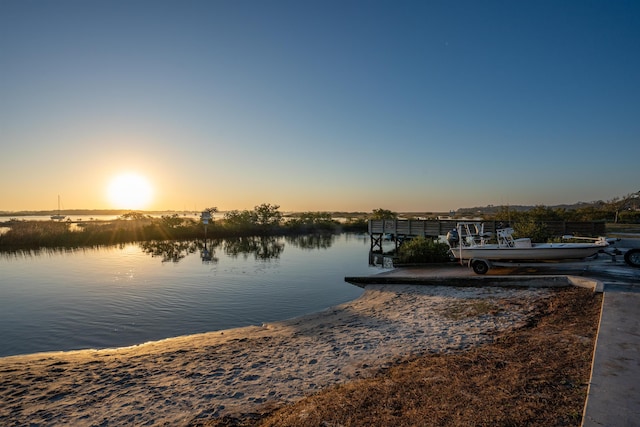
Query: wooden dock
400	230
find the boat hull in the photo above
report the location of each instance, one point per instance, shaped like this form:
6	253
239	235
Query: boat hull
546	252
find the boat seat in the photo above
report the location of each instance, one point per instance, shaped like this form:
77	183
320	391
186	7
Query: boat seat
505	232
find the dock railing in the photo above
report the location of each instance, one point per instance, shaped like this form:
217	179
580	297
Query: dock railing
437	227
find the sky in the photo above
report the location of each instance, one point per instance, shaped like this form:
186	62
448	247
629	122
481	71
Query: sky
411	106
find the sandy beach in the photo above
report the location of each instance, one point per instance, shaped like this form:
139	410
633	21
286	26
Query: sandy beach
177	380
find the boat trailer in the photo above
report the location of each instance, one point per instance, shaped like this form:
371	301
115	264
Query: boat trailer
482	266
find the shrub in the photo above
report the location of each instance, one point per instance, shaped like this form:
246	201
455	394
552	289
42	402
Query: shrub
534	230
421	251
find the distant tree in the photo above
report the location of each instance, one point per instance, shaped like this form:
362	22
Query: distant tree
505	214
528	223
238	219
593	212
544	213
630	216
133	216
312	220
536	214
211	210
535	230
355	224
267	215
383	214
171	221
619	204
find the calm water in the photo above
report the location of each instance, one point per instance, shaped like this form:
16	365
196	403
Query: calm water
125	295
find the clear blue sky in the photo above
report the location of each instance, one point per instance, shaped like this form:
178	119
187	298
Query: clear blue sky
319	105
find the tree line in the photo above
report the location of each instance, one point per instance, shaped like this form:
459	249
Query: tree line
264	220
619	210
267	219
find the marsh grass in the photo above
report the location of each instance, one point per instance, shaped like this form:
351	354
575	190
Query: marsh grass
38	234
29	235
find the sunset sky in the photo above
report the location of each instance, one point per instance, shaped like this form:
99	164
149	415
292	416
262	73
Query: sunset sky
317	105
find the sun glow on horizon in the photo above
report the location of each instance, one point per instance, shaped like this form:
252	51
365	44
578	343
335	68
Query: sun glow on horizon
129	191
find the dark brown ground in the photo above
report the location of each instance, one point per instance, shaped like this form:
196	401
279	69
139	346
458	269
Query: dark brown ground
534	376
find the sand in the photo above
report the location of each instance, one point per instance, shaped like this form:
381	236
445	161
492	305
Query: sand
177	380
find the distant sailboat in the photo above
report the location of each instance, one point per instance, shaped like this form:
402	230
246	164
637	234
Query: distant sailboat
58	216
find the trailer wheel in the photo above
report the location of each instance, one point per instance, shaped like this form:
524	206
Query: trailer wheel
632	257
480	267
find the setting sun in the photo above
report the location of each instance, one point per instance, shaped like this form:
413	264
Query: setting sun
130	191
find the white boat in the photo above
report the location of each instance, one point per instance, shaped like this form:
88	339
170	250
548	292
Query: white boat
58	216
469	242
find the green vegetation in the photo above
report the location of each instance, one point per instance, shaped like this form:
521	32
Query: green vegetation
617	210
622	215
533	222
383	214
422	250
263	220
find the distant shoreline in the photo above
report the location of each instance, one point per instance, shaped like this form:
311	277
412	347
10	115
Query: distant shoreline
70	212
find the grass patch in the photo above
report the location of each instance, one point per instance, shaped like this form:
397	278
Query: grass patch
474	308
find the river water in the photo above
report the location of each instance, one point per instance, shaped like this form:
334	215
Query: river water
124	295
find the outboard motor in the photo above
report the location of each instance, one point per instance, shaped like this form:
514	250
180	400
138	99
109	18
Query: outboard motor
453	238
